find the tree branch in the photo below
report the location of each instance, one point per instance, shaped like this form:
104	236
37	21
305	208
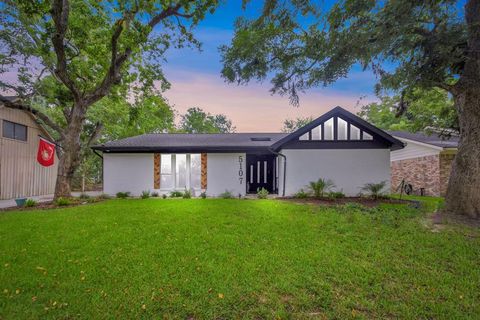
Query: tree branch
60	12
95	134
118	59
40	115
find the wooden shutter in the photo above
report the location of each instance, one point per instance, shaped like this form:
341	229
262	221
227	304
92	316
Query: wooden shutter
156	170
204	171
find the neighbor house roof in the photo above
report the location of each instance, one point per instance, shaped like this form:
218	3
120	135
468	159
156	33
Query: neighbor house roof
431	139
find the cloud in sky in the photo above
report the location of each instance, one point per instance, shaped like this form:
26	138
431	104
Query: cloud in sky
252	108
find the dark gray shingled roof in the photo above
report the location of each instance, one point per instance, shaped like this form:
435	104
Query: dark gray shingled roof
179	141
432	139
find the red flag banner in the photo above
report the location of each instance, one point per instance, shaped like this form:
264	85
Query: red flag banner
46	153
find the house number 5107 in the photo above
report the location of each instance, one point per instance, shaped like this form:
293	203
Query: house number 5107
240	169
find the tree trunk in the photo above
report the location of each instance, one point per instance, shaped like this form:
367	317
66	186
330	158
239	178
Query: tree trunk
463	193
70	158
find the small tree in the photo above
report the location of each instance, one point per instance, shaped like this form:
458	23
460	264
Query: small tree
375	190
321	187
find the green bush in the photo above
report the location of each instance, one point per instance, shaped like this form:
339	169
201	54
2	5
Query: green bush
336	195
320	187
103	196
30	203
301	194
203	195
83	196
226	195
154	194
145	194
63	202
262	193
123	195
164	196
187	194
176	194
375	190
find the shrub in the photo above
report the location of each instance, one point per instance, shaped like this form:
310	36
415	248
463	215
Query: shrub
30	203
103	196
301	194
375	190
262	193
123	195
321	186
226	195
83	196
176	194
336	195
187	194
164	196
63	201
145	194
203	195
154	194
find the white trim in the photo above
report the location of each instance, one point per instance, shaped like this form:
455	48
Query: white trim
419	143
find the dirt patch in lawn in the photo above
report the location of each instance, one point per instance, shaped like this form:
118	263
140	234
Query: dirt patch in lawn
367	202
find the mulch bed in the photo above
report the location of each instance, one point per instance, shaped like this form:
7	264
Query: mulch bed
367	202
50	205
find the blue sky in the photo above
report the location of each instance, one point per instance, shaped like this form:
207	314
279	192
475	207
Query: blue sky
196	81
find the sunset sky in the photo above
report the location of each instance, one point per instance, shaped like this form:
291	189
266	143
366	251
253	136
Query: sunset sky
196	82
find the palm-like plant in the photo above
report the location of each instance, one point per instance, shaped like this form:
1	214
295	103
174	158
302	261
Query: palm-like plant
374	189
321	186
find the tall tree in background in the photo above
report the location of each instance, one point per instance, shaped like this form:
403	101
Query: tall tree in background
91	49
408	44
428	110
290	125
195	120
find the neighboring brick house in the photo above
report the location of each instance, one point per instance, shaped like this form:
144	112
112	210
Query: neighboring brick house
425	162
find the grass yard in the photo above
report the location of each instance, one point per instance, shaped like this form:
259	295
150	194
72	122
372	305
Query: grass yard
207	259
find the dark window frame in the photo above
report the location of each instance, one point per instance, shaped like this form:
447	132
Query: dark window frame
16	126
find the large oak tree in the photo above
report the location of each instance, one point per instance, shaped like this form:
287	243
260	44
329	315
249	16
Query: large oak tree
408	44
91	49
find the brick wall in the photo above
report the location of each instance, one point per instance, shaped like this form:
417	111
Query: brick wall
445	168
421	172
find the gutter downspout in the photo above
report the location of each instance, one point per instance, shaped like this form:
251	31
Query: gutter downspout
284	168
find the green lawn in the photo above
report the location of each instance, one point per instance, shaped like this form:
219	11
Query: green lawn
204	259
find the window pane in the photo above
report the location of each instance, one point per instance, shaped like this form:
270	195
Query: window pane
166	181
181	171
8	129
304	136
328	129
195	171
166	163
367	136
317	133
341	129
20	132
354	133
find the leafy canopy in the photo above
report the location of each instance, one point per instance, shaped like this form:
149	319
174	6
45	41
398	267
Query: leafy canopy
408	44
195	120
428	110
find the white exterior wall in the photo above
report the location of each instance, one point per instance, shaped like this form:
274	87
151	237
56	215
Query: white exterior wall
414	150
223	173
349	169
132	172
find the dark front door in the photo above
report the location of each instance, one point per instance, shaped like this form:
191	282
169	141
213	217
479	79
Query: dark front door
260	173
